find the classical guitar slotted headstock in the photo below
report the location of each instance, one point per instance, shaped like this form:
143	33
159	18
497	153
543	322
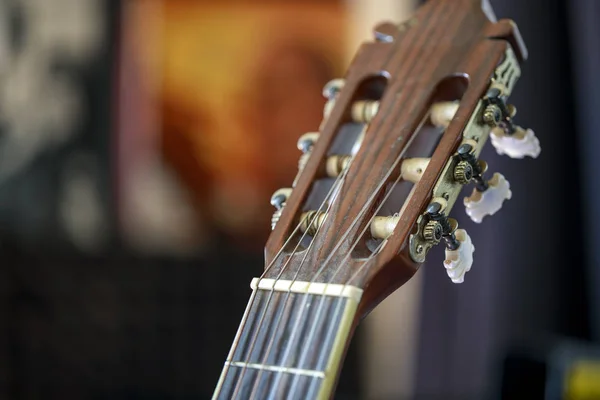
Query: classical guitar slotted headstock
401	135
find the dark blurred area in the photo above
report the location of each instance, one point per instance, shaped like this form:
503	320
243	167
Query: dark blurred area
140	142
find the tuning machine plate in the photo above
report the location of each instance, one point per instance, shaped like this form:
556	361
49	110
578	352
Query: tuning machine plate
418	245
448	187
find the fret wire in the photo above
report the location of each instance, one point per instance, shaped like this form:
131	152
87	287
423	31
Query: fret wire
338	348
266	312
235	344
295	332
310	385
281	338
327	345
313	331
275	368
255	336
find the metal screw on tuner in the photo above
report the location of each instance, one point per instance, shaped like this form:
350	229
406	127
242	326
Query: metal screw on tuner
447	225
507	138
433	232
470	168
463	172
497	112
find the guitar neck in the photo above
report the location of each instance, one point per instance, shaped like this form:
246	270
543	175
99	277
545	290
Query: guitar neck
291	341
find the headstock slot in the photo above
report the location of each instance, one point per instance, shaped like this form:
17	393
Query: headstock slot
372	87
345	142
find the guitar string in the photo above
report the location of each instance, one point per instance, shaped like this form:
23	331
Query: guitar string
339	180
254	338
330	331
334	190
323	296
362	267
277	322
331	192
268	268
413	136
363	211
345	171
365	208
288	292
235	345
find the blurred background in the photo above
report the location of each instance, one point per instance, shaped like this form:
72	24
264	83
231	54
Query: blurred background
140	141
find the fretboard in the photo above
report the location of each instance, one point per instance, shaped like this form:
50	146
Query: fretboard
291	341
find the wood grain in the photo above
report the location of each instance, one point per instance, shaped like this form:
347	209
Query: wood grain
445	38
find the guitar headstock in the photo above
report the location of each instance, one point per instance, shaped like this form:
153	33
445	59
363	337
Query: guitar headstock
401	135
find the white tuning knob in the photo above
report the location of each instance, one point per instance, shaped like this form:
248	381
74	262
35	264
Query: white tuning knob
518	145
442	113
458	262
481	204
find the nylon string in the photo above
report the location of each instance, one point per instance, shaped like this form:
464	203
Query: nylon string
327	201
339	268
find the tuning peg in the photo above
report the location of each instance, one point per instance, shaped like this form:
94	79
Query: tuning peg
307	141
488	196
305	145
412	169
459	248
518	145
508	138
363	111
330	92
333	87
278	200
459	261
443	112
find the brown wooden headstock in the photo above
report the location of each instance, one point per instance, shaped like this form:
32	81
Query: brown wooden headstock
401	136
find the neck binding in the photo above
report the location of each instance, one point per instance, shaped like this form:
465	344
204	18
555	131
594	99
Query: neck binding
291	341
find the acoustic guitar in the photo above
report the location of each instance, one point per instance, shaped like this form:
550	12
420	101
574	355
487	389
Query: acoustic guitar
401	136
